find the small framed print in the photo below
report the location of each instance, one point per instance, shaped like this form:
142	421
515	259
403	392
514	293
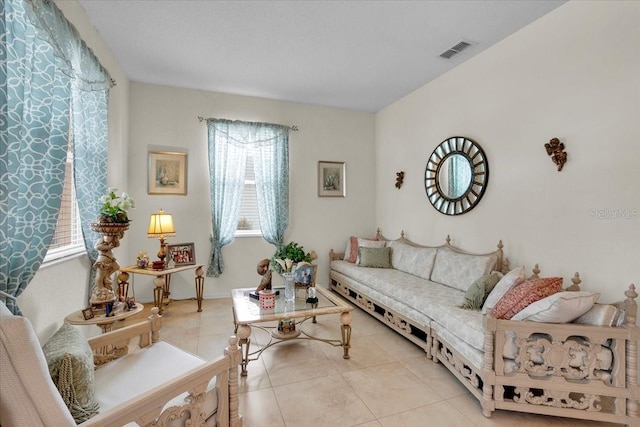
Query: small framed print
167	173
332	179
87	313
182	254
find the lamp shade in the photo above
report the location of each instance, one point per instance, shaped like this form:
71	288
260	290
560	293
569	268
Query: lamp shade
161	225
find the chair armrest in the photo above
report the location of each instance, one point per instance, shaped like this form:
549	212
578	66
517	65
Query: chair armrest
148	408
115	344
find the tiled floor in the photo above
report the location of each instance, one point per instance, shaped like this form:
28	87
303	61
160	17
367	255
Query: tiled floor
387	382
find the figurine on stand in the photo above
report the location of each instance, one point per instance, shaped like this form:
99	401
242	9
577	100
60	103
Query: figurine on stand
265	272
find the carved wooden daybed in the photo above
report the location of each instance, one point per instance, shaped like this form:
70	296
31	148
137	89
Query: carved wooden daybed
567	370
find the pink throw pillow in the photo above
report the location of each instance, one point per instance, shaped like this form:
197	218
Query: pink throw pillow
353	248
522	295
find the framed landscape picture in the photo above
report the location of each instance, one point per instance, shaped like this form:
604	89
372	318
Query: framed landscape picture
182	254
167	173
331	179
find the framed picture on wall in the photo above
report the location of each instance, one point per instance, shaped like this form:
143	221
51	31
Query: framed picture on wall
332	179
182	254
167	173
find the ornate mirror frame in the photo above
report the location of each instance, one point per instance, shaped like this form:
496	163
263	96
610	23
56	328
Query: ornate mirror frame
456	204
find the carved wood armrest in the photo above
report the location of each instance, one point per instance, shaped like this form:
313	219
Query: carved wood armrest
335	255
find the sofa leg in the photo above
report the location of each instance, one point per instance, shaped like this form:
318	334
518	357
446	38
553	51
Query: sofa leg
429	344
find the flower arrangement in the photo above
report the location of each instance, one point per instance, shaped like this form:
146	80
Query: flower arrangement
288	255
113	208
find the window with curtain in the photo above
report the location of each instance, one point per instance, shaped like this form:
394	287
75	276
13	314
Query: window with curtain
249	218
233	147
53	87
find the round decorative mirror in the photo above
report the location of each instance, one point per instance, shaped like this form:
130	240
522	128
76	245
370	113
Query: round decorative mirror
456	176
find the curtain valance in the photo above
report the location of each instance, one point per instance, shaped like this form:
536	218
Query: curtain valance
81	63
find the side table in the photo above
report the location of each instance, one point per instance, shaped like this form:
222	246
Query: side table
162	281
105	323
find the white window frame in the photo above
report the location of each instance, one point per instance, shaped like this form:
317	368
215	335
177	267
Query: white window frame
255	232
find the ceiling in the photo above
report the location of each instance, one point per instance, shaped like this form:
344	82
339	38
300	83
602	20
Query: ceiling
361	55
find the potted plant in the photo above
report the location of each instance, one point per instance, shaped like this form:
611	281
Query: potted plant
291	251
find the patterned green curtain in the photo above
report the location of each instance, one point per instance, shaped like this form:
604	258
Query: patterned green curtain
271	163
227	163
35	98
49	75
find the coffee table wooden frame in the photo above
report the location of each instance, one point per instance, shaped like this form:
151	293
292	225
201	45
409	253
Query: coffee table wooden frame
243	321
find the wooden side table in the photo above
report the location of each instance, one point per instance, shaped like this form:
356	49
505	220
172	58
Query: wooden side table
162	281
105	323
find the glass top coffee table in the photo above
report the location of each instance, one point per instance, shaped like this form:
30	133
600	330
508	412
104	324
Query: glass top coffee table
290	316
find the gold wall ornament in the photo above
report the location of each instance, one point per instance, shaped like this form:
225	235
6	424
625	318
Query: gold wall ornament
555	149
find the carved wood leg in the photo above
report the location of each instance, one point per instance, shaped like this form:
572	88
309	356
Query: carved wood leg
158	292
244	332
234	352
488	374
345	318
429	346
199	287
434	347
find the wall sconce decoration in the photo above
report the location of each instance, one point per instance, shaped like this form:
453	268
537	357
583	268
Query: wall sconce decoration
555	149
399	179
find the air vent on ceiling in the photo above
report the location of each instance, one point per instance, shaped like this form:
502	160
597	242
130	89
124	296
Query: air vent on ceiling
459	47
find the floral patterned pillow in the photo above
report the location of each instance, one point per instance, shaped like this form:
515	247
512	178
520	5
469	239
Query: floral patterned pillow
521	296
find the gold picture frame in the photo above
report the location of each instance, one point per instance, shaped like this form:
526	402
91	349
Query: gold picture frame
167	173
332	179
182	254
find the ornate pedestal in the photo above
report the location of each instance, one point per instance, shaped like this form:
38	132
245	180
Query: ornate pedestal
106	263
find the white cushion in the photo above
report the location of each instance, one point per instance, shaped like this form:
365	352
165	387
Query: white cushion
459	270
509	281
600	315
28	396
561	307
147	368
413	260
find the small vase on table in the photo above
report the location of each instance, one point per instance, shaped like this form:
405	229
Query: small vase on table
289	287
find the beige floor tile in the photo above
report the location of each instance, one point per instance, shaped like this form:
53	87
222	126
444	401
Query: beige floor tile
390	389
319	402
257	377
364	352
295	361
440	414
436	376
398	346
260	408
369	424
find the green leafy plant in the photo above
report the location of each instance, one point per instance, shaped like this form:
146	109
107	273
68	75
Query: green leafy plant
113	208
291	251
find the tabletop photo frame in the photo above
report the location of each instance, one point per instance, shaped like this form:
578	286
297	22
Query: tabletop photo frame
332	179
182	254
305	275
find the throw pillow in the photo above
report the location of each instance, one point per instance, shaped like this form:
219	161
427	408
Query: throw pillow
508	282
70	361
527	293
366	243
479	291
600	315
458	270
351	252
374	257
561	307
414	260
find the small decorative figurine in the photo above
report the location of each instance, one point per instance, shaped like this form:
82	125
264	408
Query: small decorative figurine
265	272
399	179
555	149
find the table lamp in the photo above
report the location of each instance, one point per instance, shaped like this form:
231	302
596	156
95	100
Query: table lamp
161	226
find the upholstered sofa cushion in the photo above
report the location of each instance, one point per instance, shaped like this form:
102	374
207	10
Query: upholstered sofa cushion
374	257
521	296
412	259
459	270
351	252
600	315
70	361
560	307
366	243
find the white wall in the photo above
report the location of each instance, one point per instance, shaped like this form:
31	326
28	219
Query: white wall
574	74
168	116
61	288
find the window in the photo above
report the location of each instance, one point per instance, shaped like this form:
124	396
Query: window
67	239
249	219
